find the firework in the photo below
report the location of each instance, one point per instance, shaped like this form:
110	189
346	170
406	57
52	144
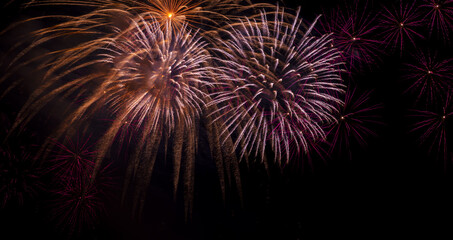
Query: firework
276	84
439	16
19	177
355	121
354	31
400	25
432	127
206	15
150	80
78	203
72	158
429	77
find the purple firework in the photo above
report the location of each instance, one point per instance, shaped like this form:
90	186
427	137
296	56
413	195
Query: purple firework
439	16
20	178
400	24
355	121
72	158
277	84
432	126
79	201
354	32
429	76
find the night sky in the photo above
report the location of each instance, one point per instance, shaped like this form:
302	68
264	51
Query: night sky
393	185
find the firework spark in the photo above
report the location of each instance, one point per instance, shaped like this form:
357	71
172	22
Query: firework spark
276	84
400	25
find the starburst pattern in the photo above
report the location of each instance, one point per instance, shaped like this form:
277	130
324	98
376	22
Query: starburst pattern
354	31
432	126
276	84
356	122
20	177
79	202
439	16
72	158
400	25
429	77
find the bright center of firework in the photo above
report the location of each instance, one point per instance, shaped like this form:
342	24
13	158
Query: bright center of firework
342	117
401	24
443	117
353	39
170	15
436	6
430	72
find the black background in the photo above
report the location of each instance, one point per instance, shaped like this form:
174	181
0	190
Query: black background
390	188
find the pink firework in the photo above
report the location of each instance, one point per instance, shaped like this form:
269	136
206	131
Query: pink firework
71	158
439	17
277	84
354	31
79	201
20	178
429	77
433	125
356	121
400	25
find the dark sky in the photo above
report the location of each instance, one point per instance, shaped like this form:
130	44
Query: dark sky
390	187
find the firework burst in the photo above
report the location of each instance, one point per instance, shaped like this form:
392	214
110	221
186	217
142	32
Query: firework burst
354	32
355	122
439	16
429	77
276	84
400	25
433	126
79	202
149	79
19	177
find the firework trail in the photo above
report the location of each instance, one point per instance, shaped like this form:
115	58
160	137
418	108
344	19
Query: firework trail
400	24
355	122
354	30
276	84
206	15
430	77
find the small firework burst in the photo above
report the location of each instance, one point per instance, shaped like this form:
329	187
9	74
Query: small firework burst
354	31
79	202
276	84
439	16
355	122
430	77
400	24
432	126
20	177
72	158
